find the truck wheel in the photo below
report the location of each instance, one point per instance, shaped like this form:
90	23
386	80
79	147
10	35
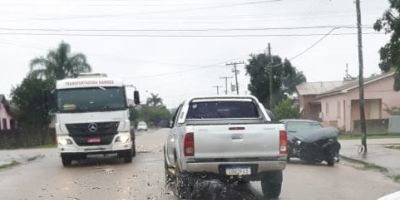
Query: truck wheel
133	148
128	156
66	160
271	184
183	185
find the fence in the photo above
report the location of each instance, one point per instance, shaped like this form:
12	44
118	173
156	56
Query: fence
26	137
373	125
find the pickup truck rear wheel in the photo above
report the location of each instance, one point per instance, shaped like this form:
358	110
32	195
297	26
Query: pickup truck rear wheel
271	184
184	185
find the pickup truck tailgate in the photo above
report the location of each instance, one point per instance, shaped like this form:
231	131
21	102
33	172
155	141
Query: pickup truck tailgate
236	141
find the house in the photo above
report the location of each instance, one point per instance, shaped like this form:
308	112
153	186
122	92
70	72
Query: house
339	106
7	121
310	107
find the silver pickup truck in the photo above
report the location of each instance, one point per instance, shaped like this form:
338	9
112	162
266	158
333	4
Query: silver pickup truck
230	138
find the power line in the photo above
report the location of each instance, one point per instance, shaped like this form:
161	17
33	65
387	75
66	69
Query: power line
314	44
183	36
183	30
164	11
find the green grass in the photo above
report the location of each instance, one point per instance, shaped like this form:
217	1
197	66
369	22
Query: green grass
45	146
352	136
396	147
396	178
12	164
370	166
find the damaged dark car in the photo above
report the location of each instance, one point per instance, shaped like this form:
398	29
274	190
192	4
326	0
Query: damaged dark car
309	141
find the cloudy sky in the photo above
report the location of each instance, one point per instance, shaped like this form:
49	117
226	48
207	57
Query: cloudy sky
178	48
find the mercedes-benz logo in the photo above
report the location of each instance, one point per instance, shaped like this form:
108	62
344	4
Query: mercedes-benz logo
92	127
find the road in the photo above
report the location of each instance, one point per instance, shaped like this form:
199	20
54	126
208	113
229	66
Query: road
110	178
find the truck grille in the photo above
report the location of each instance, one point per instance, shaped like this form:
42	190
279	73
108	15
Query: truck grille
83	140
92	129
82	132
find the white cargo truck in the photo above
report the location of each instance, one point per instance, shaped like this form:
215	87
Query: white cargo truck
92	117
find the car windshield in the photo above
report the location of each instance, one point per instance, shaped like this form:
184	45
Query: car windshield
91	99
303	127
222	109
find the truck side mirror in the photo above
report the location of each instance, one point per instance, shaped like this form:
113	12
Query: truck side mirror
136	97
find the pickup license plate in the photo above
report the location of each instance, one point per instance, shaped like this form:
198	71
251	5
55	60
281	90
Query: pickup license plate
238	171
93	140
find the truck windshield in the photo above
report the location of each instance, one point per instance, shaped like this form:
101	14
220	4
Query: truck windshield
222	109
91	99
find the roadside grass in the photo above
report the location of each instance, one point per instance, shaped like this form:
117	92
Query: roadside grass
354	135
12	164
372	167
395	147
45	146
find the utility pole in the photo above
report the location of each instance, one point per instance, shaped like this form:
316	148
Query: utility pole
361	80
236	71
269	67
217	86
226	82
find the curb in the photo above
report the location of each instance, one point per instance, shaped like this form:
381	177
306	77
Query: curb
16	162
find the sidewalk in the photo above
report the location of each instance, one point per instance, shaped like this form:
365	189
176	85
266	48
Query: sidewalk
377	154
19	156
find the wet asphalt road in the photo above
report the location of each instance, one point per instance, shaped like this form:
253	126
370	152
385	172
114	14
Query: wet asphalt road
143	179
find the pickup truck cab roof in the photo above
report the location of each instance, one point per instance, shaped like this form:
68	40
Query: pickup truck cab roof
247	98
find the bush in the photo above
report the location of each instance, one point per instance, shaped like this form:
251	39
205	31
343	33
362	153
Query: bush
286	109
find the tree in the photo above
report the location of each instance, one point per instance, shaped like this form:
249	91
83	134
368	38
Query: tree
286	110
154	100
33	102
390	53
285	77
59	64
153	112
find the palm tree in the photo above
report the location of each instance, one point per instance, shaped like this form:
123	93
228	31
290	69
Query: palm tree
154	100
59	64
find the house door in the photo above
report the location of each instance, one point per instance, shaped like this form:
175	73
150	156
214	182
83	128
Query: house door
373	108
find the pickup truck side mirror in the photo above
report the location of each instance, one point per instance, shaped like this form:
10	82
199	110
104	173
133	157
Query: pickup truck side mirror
136	97
171	124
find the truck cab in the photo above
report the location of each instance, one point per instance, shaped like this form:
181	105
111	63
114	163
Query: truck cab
92	117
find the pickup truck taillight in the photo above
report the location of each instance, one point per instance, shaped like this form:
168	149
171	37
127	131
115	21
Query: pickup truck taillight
188	144
283	142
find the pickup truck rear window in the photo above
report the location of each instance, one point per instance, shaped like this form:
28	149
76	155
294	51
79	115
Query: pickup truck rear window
222	109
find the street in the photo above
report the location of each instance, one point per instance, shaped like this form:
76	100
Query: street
109	178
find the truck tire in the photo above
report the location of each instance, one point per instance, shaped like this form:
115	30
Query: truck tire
128	156
271	184
184	184
66	160
133	148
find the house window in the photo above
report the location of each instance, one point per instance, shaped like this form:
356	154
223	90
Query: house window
338	110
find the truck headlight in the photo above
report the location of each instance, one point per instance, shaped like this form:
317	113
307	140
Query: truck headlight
123	138
64	141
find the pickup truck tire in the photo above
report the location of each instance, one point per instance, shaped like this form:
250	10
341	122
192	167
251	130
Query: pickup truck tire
184	184
66	160
271	184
